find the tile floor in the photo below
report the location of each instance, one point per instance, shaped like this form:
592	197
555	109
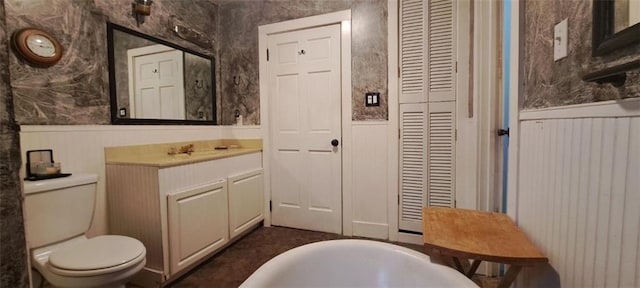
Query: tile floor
233	265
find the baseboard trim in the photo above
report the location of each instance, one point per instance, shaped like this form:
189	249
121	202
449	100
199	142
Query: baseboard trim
370	230
410	238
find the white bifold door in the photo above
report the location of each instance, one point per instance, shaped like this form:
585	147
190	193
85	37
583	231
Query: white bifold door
427	108
305	128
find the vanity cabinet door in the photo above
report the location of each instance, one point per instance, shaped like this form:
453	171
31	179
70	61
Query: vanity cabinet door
198	223
246	204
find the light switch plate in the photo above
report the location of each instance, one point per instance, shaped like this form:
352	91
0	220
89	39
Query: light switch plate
372	99
560	40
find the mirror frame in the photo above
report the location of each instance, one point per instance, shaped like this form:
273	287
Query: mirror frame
115	120
604	40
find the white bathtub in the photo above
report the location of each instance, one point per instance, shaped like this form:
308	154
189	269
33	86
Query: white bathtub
354	263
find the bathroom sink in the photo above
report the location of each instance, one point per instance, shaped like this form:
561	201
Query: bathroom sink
195	154
179	157
205	153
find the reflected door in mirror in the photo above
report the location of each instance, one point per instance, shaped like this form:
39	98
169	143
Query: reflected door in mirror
156	89
627	13
616	25
153	81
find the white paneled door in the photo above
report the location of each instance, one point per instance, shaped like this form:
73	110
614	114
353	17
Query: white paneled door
156	76
305	108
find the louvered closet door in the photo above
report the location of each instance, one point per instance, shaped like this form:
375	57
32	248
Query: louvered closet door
441	45
427	108
427	160
413	51
441	154
413	164
427	50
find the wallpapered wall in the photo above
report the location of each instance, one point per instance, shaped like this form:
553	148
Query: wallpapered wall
13	252
239	51
76	90
548	83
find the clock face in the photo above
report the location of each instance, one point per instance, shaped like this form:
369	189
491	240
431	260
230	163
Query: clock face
41	45
37	47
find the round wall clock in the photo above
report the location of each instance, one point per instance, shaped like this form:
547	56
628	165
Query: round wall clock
37	47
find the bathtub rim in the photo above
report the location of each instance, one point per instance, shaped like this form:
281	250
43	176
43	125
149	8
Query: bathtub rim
268	268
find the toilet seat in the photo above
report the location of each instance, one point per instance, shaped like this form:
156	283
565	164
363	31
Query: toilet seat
96	256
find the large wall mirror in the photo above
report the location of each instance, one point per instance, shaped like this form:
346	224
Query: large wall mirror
153	81
616	24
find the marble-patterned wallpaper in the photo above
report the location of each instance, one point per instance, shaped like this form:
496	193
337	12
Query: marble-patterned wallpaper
198	87
76	90
14	267
239	51
548	83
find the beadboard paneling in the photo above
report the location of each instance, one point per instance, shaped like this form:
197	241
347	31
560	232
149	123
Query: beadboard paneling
240	132
80	148
369	182
579	194
135	185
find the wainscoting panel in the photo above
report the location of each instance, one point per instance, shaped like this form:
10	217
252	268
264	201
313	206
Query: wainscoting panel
240	132
80	148
579	200
369	179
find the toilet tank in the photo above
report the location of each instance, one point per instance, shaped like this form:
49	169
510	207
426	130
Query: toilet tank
58	209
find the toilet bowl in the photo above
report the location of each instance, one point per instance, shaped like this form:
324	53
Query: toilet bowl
58	213
103	261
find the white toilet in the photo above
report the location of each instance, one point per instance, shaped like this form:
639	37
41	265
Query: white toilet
58	212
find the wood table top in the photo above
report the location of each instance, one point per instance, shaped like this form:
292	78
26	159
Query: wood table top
478	235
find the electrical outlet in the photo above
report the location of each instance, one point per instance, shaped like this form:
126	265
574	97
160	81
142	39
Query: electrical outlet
560	40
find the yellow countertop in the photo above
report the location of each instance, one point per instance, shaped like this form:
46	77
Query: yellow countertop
157	154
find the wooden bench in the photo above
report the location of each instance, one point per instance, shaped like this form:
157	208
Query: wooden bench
478	236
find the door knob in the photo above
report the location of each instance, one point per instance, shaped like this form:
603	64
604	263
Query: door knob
335	142
503	132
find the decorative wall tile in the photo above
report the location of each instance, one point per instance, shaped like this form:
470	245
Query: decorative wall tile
555	83
14	268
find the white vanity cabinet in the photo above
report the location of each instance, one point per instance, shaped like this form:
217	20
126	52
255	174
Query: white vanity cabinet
245	201
198	223
185	212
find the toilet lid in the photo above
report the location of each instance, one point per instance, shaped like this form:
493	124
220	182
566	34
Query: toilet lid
97	253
